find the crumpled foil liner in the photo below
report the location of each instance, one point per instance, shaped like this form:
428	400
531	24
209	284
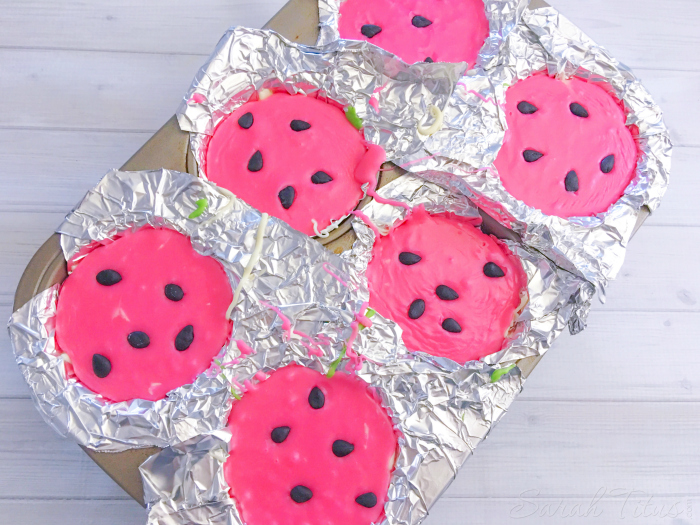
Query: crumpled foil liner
442	409
502	15
441	413
556	297
294	274
594	246
390	97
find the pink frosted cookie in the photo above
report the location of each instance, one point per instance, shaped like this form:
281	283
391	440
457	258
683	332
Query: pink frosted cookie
418	30
567	150
294	157
143	315
309	449
452	289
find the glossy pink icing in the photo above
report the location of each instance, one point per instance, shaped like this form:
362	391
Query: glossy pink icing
457	33
291	158
453	253
262	473
569	143
92	318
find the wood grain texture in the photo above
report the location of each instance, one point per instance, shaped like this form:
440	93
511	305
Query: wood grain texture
91	93
617	407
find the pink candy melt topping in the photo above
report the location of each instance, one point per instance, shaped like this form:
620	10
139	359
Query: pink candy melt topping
453	253
569	143
95	319
291	158
458	30
262	473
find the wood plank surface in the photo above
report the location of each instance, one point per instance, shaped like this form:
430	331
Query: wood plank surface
607	427
91	93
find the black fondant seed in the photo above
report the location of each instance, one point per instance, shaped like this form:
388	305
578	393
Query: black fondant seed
451	325
446	293
101	365
369	500
108	277
530	155
607	164
416	309
256	162
409	258
321	177
279	434
286	197
420	21
493	270
138	339
299	125
370	30
316	398
578	110
246	121
342	448
428	60
301	494
526	108
184	338
174	292
571	181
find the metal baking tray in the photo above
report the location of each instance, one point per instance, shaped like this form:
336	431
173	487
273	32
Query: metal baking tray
169	148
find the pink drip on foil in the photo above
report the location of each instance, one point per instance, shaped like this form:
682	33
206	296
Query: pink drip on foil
260	376
391	202
238	386
244	348
198	98
324	339
310	347
286	323
367	221
355	358
364	321
326	266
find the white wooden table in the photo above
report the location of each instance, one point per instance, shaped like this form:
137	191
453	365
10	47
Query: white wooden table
608	427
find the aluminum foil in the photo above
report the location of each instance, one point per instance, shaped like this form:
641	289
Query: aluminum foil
441	413
594	246
556	297
391	97
441	409
294	275
502	15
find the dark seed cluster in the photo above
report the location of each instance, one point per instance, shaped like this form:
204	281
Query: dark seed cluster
101	365
340	449
417	308
571	182
287	195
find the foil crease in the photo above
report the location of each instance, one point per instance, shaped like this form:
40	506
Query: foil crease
593	246
390	97
503	16
557	299
294	275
